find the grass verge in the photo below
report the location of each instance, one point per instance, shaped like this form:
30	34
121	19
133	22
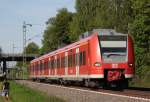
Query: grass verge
21	93
142	79
1	99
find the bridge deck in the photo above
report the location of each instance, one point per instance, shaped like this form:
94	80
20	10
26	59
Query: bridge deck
17	57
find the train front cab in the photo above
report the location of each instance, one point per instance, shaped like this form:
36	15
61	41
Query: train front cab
116	59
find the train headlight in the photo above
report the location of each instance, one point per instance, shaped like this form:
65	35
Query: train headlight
97	64
130	64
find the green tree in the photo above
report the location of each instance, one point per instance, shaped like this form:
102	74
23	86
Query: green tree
122	13
104	14
76	27
32	48
140	29
57	31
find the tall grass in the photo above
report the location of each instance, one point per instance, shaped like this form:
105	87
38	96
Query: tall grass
21	93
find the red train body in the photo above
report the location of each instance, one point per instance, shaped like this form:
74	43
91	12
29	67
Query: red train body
103	58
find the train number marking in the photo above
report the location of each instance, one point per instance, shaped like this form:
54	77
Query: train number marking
114	65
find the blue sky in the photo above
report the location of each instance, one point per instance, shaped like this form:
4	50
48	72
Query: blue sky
36	12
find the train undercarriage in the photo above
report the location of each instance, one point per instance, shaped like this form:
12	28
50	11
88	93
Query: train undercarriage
91	83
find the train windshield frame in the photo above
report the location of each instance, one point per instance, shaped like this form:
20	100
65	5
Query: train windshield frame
113	48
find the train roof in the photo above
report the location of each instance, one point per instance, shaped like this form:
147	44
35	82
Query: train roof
108	32
63	49
85	37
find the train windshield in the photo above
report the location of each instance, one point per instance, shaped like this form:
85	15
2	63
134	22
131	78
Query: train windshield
113	48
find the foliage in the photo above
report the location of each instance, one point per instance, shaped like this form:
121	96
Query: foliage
143	79
57	31
93	14
140	29
32	48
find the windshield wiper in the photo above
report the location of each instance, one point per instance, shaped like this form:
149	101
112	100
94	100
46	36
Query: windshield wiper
112	54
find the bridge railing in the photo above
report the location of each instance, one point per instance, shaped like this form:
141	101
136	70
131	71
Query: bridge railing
18	54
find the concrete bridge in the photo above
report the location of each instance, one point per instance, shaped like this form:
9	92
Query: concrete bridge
15	57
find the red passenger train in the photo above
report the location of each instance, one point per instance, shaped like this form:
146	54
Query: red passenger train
104	58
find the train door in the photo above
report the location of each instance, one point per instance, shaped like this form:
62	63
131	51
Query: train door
77	61
66	63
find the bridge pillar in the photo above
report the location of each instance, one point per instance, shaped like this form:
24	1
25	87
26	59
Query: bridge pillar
4	66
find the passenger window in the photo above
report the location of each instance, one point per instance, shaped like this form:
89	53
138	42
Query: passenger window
62	62
40	65
84	58
70	61
43	65
58	63
52	64
55	64
49	64
81	58
73	60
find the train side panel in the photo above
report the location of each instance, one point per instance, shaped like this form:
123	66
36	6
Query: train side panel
130	68
96	70
83	59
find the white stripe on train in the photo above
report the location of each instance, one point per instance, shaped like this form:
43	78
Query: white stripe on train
77	76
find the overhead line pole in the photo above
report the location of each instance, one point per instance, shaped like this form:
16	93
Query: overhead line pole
24	43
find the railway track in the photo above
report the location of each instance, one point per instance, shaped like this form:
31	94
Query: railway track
139	93
126	92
